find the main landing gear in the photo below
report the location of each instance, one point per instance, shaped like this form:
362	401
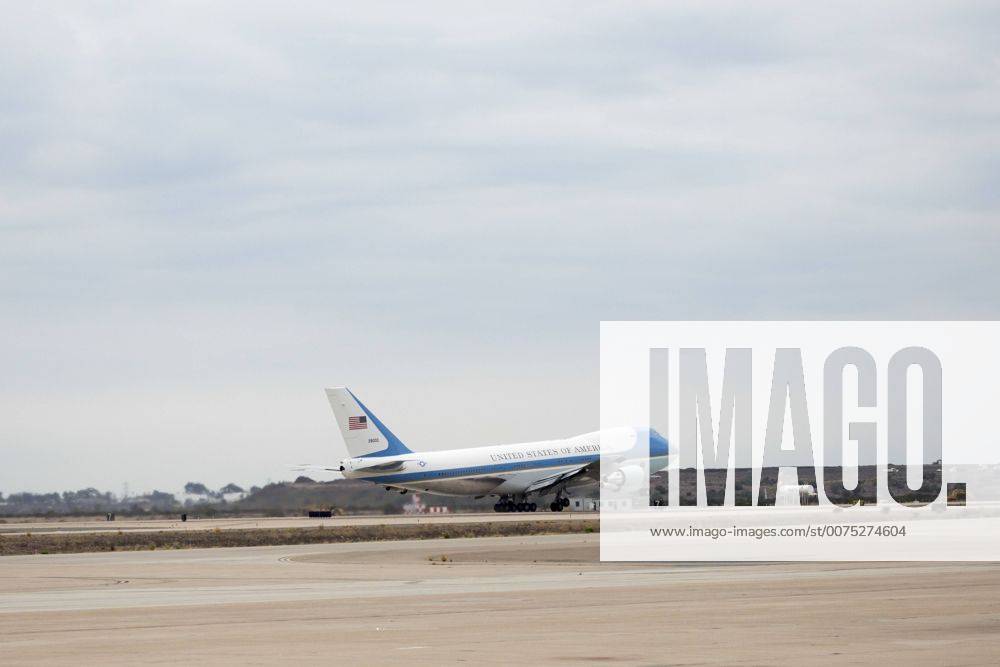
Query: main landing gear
507	504
561	502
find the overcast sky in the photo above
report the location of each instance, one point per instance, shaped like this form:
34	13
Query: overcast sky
211	211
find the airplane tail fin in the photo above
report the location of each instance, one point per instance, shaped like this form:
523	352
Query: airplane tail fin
363	433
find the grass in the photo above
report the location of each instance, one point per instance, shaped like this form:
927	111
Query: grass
65	543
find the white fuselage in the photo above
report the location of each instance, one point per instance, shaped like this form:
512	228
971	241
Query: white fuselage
499	469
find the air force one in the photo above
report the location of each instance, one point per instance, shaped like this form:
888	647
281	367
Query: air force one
514	473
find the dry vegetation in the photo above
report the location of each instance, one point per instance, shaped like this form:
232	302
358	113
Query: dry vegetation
11	545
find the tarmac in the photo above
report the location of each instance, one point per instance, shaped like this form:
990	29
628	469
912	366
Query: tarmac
487	601
44	527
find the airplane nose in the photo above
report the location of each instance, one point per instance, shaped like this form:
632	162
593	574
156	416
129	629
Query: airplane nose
658	445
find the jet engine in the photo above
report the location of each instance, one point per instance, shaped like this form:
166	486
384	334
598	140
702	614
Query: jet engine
625	478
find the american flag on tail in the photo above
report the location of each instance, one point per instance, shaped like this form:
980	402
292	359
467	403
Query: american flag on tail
357	423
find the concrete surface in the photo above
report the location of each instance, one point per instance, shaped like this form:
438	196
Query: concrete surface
492	601
41	527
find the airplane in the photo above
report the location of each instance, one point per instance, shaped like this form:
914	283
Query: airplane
513	473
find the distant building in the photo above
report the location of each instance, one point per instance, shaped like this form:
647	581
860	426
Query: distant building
795	494
613	503
416	506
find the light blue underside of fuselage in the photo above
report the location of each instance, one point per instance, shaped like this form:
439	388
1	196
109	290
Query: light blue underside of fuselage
491	469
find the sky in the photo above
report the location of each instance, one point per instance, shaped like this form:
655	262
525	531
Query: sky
210	212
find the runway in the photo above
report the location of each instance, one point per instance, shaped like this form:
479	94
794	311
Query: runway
493	601
37	527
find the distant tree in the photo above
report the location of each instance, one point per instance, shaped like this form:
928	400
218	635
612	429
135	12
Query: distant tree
302	479
28	498
162	499
231	488
254	489
197	489
90	493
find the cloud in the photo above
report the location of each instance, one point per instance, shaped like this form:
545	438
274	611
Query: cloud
246	199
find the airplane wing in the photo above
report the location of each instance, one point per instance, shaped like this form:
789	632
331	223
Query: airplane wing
383	467
378	467
545	484
314	467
